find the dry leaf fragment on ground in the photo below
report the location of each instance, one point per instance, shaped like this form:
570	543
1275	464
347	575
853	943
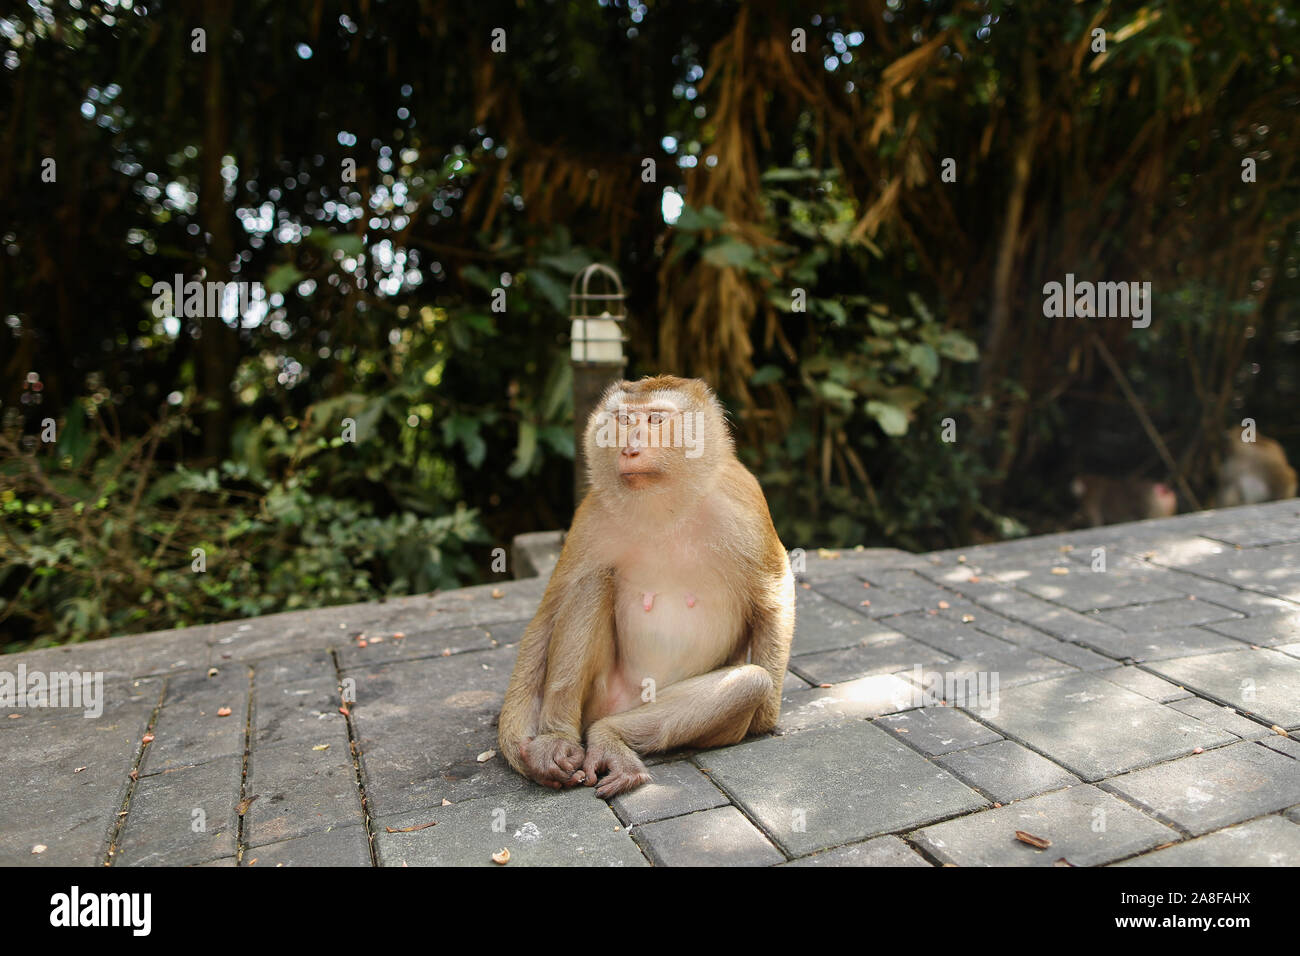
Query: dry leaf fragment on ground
418	826
39	848
321	747
147	739
446	802
244	804
502	857
1279	730
498	593
224	712
1041	842
486	755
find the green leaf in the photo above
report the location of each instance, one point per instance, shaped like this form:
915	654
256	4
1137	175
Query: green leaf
730	253
953	345
283	277
693	220
525	451
891	419
925	360
766	375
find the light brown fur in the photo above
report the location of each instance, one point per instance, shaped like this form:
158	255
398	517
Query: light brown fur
1253	472
1113	500
693	533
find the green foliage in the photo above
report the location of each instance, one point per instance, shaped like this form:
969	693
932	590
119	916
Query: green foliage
113	543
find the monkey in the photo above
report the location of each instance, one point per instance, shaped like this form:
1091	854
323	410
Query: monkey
1253	471
1112	500
668	619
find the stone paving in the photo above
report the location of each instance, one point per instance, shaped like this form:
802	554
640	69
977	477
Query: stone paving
1139	712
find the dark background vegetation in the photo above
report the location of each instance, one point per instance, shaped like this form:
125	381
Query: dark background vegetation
476	170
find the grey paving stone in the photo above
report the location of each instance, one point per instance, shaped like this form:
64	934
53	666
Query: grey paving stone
957	640
1210	790
300	789
1144	683
820	564
977	682
1291	650
137	655
65	780
883	653
188	730
426	642
882	851
1077	657
293	667
1264	631
1161	645
1083	589
721	837
221	861
1248	602
303	710
1222	717
1095	728
423	724
677	788
852	591
1007	771
1086	826
1283	745
184	816
1013	632
854	700
1060	622
938	730
824	788
476	606
1263	682
1180	613
1293	814
821	624
1271	841
338	846
539	827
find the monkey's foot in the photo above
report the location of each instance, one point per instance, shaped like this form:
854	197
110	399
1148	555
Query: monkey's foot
553	761
615	763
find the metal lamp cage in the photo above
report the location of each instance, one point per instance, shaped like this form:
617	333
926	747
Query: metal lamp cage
588	304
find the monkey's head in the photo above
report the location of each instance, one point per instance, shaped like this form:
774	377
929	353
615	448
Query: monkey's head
1162	502
657	436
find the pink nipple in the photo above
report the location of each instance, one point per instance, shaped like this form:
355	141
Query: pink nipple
648	600
690	600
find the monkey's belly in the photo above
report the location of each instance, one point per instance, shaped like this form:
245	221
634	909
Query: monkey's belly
667	636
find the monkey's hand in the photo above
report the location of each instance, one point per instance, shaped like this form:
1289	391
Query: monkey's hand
614	762
553	761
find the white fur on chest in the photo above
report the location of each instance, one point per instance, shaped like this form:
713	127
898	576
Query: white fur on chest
675	614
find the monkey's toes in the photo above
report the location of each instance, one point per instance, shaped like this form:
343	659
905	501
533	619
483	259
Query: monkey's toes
615	783
553	761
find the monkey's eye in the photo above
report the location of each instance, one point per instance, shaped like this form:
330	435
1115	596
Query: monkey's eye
658	418
626	420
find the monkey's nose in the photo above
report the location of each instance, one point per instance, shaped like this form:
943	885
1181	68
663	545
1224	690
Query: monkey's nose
631	452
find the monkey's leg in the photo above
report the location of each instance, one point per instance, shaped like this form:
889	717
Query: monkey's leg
711	710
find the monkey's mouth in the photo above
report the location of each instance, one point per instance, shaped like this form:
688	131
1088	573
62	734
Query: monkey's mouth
638	479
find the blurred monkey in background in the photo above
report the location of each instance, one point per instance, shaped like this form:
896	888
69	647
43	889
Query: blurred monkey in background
1254	469
1113	500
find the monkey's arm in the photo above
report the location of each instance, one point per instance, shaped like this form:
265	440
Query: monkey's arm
771	631
564	643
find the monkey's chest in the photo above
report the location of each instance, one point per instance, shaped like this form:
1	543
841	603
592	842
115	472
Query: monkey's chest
674	620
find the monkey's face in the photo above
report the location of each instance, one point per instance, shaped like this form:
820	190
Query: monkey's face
655	435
